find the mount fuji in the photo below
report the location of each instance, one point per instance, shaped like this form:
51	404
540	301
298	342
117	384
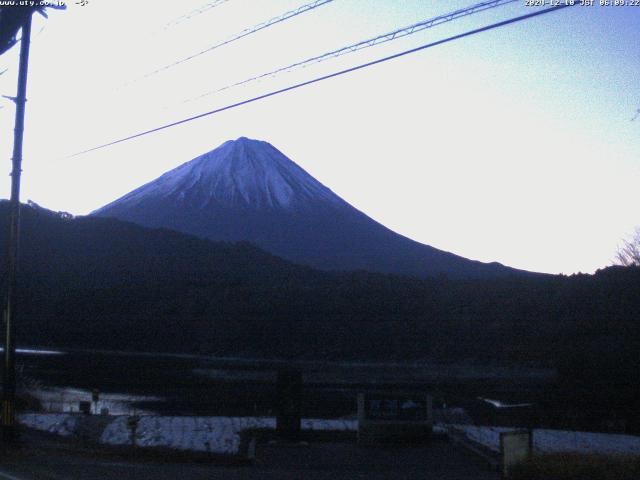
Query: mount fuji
247	190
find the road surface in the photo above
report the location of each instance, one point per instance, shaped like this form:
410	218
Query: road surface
47	458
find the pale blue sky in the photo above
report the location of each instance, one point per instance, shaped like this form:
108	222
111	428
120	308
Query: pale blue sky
514	145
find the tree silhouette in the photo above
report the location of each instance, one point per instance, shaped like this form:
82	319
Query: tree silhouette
12	18
629	253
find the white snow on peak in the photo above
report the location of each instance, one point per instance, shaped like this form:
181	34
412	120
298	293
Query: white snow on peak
239	172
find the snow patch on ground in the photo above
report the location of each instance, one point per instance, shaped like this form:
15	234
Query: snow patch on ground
208	434
318	424
203	434
555	441
58	423
222	434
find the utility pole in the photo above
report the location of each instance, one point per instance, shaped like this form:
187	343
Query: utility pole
8	419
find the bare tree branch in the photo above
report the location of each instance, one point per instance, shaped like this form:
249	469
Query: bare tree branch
629	253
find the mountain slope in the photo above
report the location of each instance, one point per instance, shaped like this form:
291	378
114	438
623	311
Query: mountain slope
247	190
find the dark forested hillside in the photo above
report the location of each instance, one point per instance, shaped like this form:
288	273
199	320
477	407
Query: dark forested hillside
94	282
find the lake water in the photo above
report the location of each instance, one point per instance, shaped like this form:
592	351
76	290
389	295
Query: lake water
178	384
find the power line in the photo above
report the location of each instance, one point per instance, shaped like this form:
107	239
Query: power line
331	75
195	12
387	37
244	33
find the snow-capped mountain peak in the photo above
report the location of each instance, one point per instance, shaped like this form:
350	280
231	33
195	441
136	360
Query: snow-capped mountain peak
247	190
238	173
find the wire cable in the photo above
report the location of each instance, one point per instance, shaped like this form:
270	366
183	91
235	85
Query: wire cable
326	77
195	12
244	33
387	37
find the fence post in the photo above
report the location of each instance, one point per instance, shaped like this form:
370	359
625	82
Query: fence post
289	403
